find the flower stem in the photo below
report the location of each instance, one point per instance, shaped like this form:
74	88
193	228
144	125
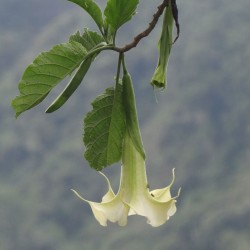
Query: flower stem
120	59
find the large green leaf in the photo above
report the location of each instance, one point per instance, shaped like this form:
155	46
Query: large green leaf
118	12
46	71
104	129
71	86
90	40
93	9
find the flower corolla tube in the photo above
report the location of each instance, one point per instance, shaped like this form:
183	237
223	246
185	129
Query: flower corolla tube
133	196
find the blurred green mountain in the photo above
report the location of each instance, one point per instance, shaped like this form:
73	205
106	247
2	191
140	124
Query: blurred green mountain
200	126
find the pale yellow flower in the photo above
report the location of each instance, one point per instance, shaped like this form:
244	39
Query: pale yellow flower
133	196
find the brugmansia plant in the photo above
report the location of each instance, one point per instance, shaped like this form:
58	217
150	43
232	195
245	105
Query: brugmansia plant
111	128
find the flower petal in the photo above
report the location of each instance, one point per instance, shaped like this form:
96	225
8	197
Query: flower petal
110	194
157	205
163	194
156	212
110	209
114	211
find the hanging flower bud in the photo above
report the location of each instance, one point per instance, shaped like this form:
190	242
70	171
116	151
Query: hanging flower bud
164	45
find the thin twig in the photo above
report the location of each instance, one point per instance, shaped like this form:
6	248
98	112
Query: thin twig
147	31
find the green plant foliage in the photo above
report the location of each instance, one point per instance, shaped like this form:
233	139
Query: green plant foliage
118	12
46	71
104	129
93	9
201	127
90	40
72	85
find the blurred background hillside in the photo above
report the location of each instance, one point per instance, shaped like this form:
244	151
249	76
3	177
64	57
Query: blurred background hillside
200	126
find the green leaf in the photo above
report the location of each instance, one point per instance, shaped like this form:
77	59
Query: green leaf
90	40
118	12
104	129
93	10
71	86
46	71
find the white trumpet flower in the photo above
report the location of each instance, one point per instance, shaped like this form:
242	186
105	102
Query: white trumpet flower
133	196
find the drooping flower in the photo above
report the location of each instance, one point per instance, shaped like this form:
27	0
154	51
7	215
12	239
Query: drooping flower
133	196
165	44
